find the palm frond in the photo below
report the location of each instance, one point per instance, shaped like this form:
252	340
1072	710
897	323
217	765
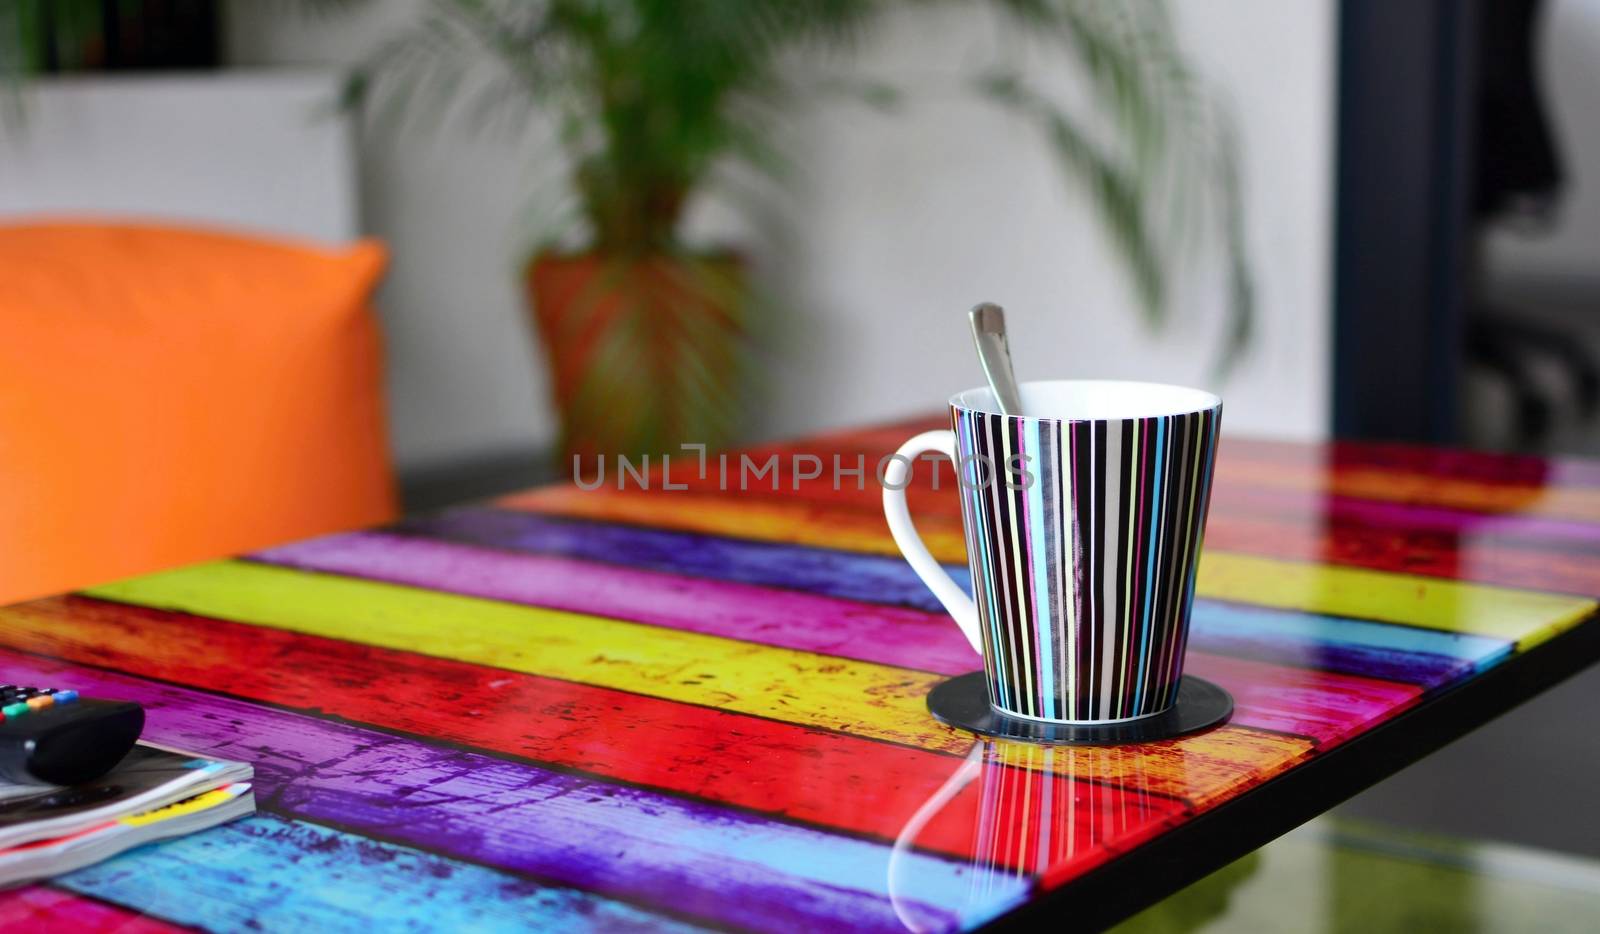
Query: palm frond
14	63
652	94
657	100
1171	183
1113	188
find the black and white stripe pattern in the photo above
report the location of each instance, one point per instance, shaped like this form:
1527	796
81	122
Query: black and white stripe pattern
1084	537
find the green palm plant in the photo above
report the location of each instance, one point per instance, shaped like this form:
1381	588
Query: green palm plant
38	36
652	97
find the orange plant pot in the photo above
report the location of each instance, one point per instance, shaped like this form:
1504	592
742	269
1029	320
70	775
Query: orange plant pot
644	353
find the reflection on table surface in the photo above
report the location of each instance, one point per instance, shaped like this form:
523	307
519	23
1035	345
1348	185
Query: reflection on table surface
1335	875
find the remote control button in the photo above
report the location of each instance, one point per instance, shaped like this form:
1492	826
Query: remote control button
104	731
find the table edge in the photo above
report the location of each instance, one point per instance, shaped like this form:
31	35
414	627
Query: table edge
1214	838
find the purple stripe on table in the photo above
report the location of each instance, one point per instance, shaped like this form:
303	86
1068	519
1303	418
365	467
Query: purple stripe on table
879	579
1428	658
790	618
695	858
889	635
1572	471
1427	670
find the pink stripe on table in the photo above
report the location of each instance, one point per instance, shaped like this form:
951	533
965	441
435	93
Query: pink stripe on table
1322	705
1297	506
38	909
770	616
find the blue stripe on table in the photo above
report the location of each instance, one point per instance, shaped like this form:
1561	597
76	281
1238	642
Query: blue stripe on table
269	873
637	845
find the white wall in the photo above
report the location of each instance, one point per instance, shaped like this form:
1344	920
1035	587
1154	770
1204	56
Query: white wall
197	148
896	225
909	221
461	374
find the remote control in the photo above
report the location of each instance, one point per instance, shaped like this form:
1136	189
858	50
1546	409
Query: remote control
55	736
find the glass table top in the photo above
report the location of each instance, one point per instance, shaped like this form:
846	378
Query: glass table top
683	708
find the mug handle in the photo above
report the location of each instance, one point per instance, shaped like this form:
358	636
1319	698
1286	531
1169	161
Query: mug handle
895	477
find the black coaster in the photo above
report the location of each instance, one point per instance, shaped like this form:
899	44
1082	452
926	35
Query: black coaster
963	702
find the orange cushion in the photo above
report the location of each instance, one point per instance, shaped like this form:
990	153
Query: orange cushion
170	395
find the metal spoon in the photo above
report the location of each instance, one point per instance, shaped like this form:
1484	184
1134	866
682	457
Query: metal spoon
989	334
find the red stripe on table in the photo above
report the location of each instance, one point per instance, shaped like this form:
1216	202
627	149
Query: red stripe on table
1351	515
1354	514
1510	470
39	909
1478	483
1533	552
1483	466
822	778
1321	705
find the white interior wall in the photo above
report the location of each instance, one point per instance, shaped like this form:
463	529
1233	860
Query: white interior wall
896	224
205	149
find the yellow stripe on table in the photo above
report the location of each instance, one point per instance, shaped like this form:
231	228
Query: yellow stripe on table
1525	617
860	698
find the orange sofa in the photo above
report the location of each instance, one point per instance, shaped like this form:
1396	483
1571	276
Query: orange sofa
169	395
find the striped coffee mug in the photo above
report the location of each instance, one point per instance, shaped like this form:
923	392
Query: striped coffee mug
1083	525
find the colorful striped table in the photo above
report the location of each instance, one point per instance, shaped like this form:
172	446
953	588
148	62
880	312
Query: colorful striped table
697	708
